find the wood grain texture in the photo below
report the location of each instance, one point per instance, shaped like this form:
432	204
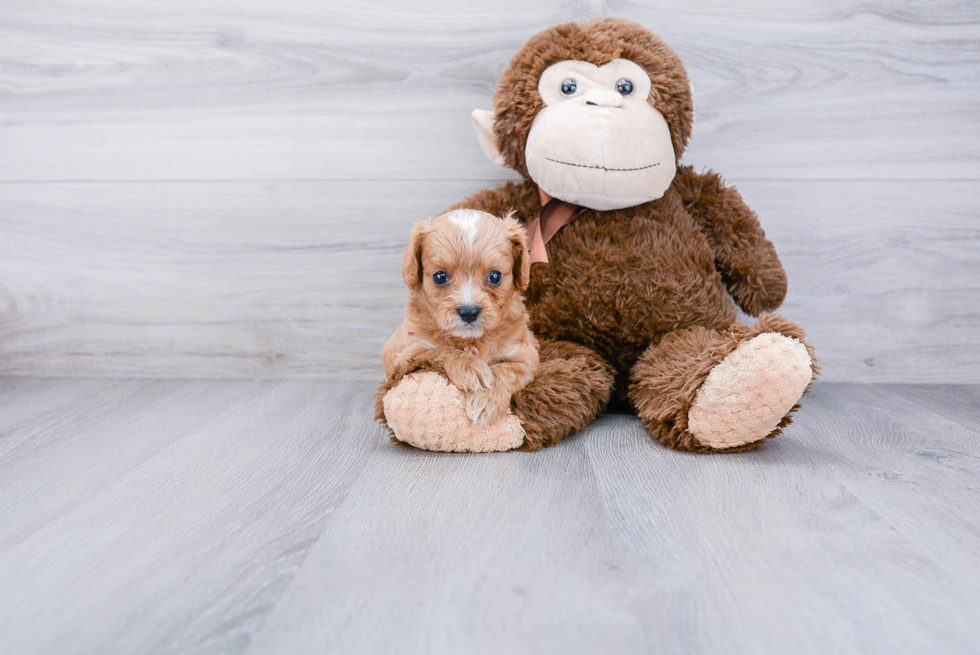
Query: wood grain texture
222	189
274	517
954	402
804	557
301	279
811	545
25	399
444	553
166	516
117	90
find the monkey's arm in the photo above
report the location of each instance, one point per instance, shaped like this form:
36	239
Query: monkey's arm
746	260
519	197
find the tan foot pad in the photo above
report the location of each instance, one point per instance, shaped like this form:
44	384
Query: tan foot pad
428	412
744	397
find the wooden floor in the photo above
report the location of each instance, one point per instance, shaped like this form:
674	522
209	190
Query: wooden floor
143	516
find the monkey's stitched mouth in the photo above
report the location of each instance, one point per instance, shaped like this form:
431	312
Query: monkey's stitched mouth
602	168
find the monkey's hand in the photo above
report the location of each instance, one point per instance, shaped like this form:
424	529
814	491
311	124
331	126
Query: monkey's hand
759	289
746	260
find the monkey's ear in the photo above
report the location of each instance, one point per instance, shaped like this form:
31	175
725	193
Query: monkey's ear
483	122
522	260
412	260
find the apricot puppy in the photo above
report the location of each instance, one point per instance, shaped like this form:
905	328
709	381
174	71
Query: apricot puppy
465	272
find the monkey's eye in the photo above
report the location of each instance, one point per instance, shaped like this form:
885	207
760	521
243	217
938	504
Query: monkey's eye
441	278
494	278
625	87
569	87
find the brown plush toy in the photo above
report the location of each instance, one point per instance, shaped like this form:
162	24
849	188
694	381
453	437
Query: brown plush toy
637	260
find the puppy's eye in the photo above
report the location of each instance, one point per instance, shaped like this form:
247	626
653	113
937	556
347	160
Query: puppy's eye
568	87
625	87
494	278
441	278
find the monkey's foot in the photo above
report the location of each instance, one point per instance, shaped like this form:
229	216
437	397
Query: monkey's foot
746	396
426	411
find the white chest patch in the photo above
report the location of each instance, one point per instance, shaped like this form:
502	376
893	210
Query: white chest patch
466	220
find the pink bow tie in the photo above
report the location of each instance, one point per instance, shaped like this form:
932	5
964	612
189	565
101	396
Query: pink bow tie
554	214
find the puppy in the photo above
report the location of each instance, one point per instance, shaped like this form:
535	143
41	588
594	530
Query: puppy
465	272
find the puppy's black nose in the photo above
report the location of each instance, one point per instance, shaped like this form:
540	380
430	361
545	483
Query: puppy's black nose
468	313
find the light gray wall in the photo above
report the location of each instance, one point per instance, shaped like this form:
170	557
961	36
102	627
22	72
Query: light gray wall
222	189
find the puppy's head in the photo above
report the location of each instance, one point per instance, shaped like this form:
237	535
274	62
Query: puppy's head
466	269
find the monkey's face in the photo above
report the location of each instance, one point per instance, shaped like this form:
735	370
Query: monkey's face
596	113
598	142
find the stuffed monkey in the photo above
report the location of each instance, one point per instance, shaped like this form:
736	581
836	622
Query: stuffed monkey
638	261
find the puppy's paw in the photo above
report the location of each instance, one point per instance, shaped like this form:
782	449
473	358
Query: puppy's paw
485	406
483	372
470	374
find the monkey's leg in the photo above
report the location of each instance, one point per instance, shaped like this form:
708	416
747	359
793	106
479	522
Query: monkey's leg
710	390
424	409
571	389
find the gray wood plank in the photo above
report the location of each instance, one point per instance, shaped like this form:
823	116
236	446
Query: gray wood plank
254	517
449	553
812	544
116	90
27	399
915	468
111	448
960	403
301	279
169	516
884	277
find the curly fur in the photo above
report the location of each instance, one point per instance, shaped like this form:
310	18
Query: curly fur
598	41
636	304
572	388
735	237
666	379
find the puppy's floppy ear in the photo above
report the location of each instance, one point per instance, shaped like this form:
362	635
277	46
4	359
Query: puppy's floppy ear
522	260
412	260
